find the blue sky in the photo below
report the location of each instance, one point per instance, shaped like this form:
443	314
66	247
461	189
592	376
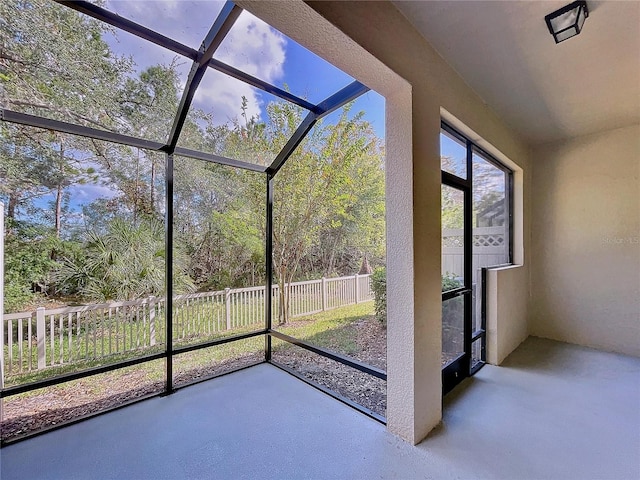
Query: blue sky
454	150
492	177
251	46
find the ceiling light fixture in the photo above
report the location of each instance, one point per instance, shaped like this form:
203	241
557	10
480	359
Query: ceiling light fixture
567	21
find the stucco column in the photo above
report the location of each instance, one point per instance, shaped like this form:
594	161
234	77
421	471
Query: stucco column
412	199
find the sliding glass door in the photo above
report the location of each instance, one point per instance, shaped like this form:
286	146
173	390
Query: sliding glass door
456	260
456	283
476	226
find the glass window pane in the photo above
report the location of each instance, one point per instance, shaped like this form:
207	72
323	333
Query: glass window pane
565	20
255	48
84	254
452	238
452	329
361	388
477	356
208	362
29	412
490	203
218	251
453	155
490	216
476	302
63	65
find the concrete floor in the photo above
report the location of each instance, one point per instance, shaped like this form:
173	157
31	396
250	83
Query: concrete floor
552	411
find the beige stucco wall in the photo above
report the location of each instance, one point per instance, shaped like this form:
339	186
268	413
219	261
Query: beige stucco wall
505	302
378	42
586	241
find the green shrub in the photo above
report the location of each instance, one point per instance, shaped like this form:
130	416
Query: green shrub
450	282
27	265
379	287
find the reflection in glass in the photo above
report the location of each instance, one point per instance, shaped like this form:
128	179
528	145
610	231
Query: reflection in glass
476	353
452	238
453	155
490	215
452	329
490	204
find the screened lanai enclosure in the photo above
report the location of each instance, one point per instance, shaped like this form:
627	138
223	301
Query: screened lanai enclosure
187	192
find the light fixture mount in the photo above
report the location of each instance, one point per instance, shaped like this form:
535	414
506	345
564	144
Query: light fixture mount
567	22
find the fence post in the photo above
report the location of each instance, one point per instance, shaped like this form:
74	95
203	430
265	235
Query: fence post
227	307
40	335
357	277
152	321
324	294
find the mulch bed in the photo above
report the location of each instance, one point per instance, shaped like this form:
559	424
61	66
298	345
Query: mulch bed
362	388
23	415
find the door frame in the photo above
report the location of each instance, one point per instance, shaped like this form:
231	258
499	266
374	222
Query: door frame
460	368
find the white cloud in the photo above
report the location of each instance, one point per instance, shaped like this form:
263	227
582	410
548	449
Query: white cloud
186	21
221	96
251	46
254	47
85	194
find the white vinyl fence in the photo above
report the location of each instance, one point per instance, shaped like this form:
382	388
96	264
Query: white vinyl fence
490	247
43	338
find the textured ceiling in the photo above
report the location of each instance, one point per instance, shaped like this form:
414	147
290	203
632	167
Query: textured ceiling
545	92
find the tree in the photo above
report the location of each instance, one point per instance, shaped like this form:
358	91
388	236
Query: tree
55	64
61	169
149	104
126	263
328	198
216	222
21	182
452	201
321	186
28	264
356	226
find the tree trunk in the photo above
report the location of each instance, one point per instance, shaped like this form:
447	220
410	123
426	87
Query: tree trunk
153	184
59	192
58	210
329	268
135	190
365	269
283	297
14	198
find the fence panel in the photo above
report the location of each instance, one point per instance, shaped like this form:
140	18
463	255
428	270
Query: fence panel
489	248
89	333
